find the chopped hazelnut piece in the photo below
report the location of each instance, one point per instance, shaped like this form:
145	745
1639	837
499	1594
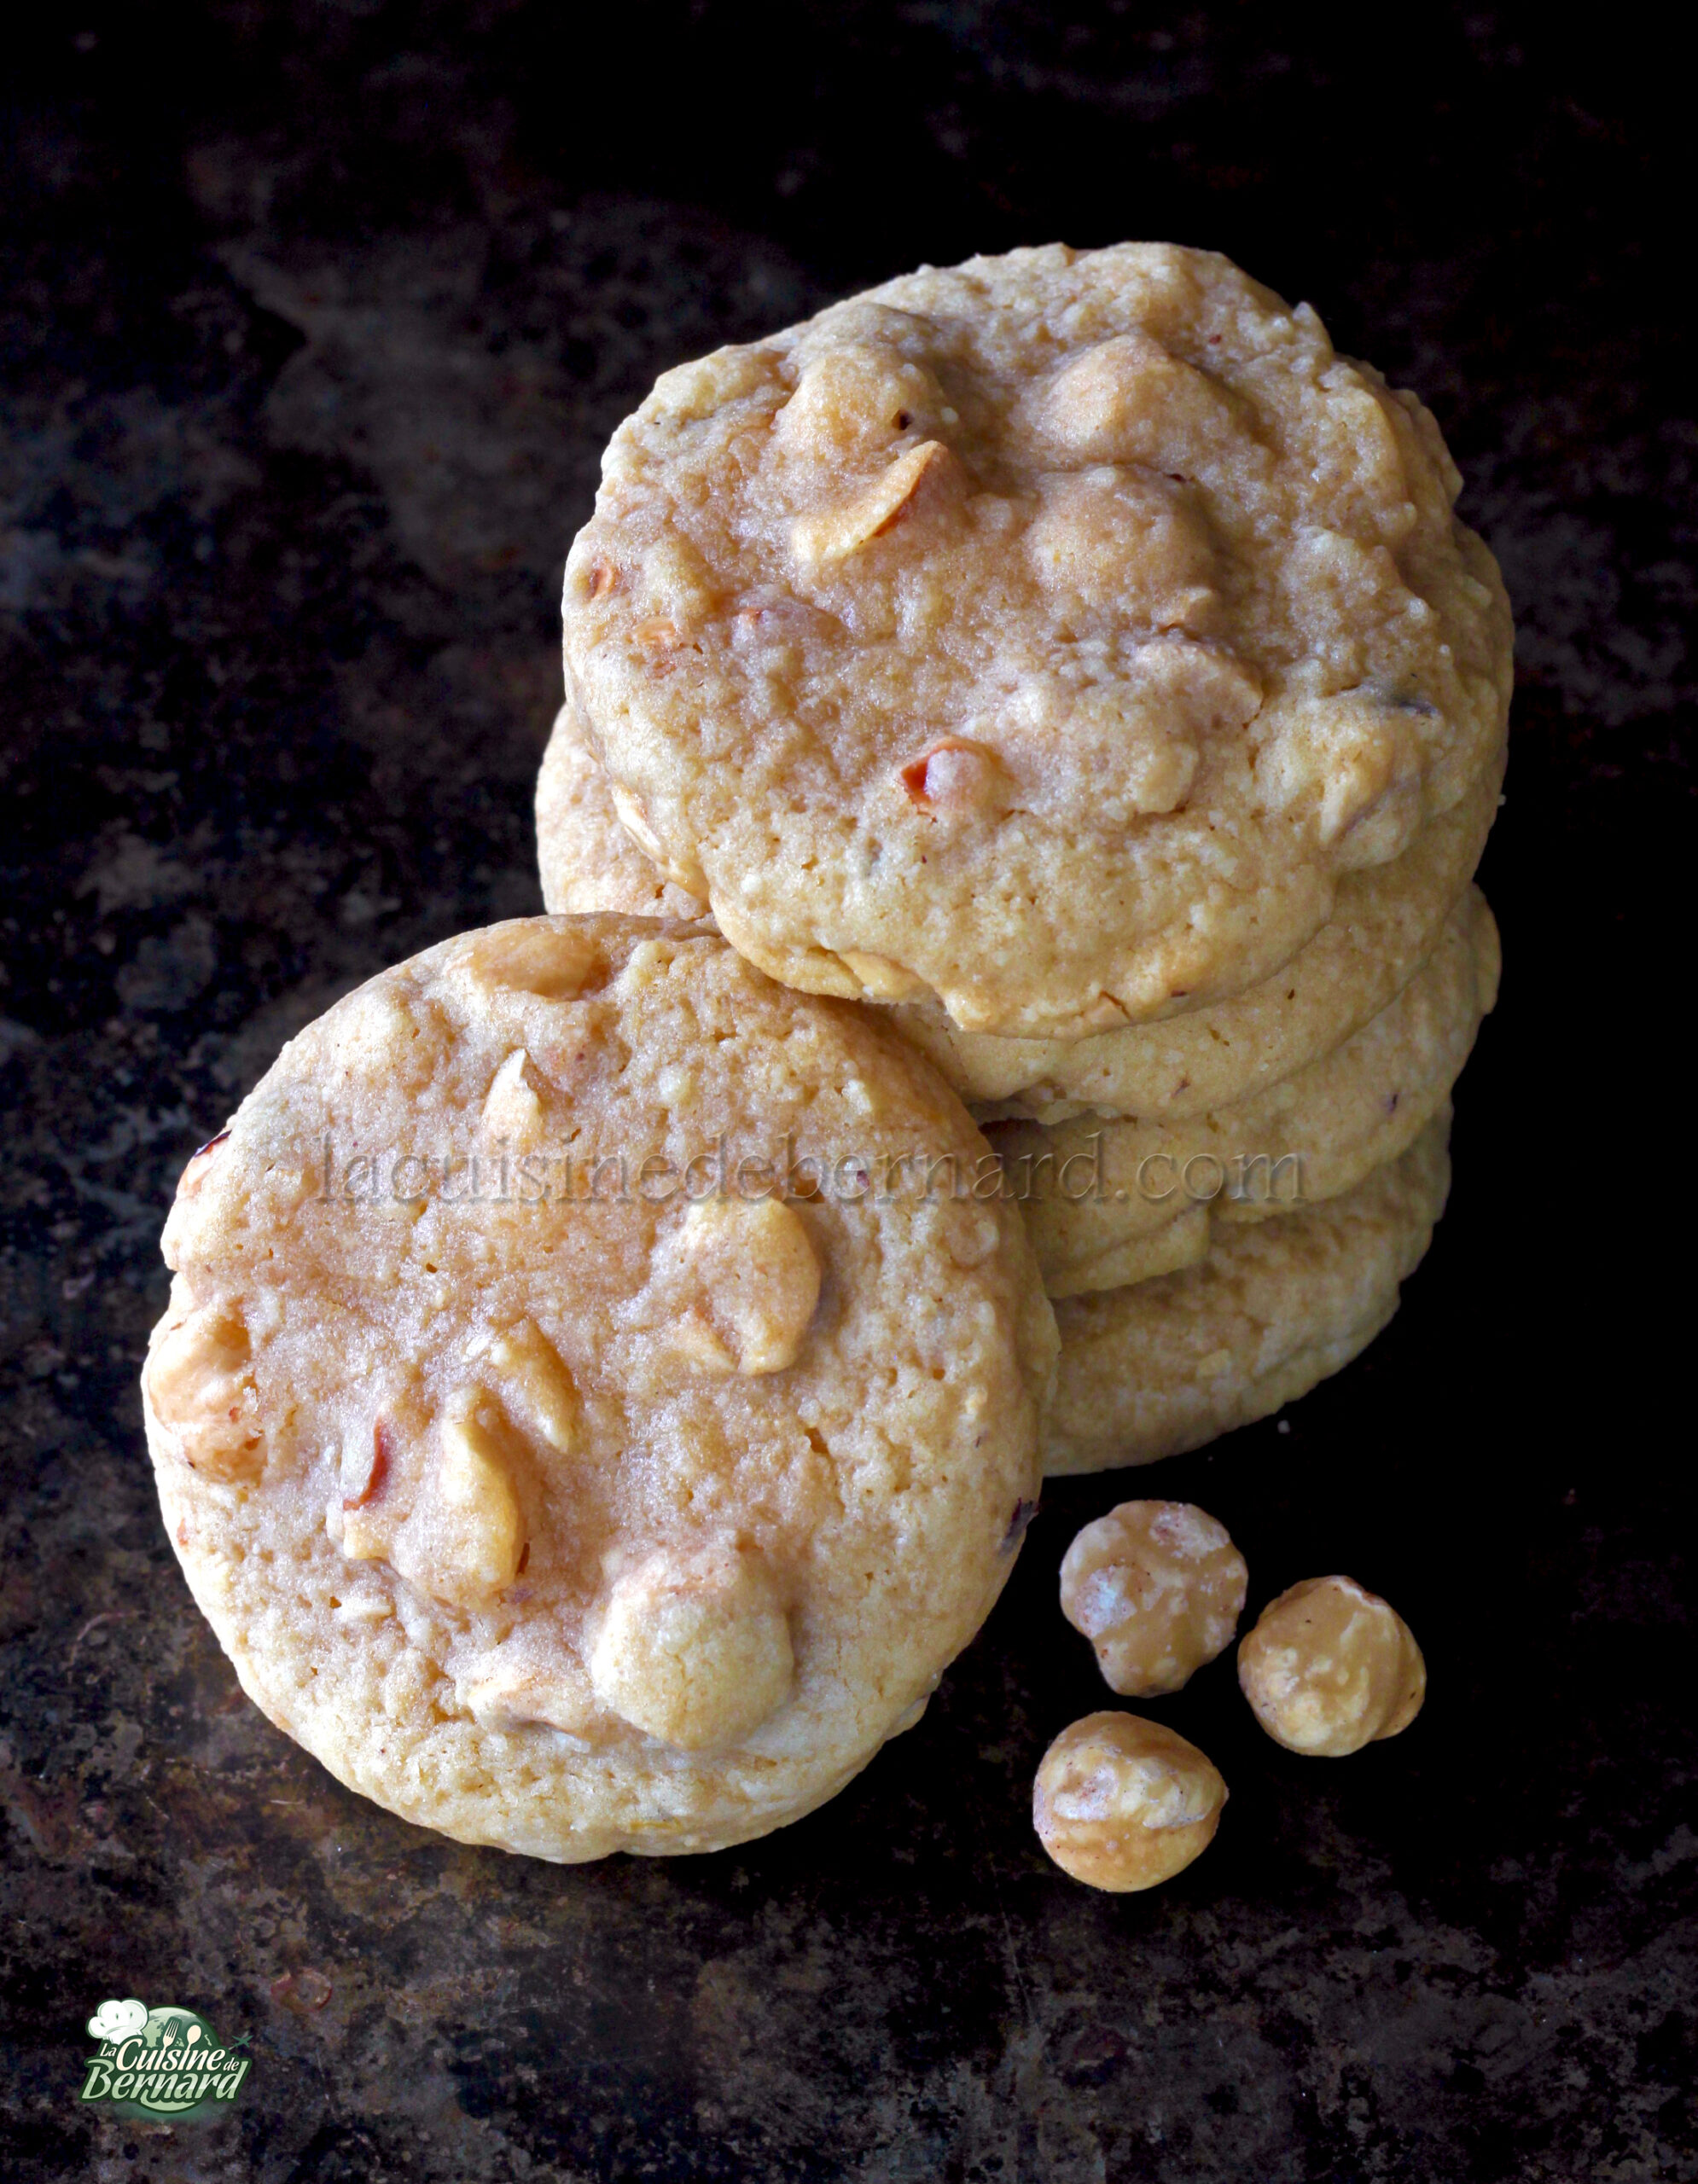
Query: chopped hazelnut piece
365	1466
201	1382
755	1282
853	401
1077	545
1130	400
694	1653
535	1386
513	1695
1121	1802
463	1546
635	820
200	1165
367	1522
1353	764
1158	1588
1330	1667
512	1109
835	531
554	960
956	777
881	979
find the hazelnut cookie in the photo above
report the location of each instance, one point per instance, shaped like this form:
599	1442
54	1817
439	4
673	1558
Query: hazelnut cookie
1045	636
580	1429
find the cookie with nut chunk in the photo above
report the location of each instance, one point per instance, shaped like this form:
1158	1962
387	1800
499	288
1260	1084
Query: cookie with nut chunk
585	1425
1045	636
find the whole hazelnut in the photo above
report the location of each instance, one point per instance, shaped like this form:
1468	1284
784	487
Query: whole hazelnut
1121	1802
1158	1588
1330	1667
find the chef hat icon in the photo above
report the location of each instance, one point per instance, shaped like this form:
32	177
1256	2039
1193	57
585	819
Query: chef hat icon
118	2020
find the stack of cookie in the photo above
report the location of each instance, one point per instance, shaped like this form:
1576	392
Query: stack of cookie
604	1377
1071	655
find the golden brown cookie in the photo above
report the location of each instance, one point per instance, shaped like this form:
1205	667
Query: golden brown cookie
1386	923
1047	636
576	1435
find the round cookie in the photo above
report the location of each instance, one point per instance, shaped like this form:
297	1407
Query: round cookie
578	1434
1046	635
1110	1203
1153	1370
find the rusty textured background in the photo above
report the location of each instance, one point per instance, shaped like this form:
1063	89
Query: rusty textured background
313	317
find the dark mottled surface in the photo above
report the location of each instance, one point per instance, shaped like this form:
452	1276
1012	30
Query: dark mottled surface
314	316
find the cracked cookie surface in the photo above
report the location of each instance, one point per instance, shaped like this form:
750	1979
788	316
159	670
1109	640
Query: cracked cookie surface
1046	636
574	1436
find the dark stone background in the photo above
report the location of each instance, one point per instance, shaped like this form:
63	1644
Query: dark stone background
316	313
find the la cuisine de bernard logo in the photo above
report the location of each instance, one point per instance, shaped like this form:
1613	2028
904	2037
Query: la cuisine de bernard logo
160	2062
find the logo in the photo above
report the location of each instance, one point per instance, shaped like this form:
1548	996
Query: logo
160	2062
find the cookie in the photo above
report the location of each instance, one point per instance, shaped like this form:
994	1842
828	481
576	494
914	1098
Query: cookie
1100	1197
576	1435
1152	1371
1047	636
